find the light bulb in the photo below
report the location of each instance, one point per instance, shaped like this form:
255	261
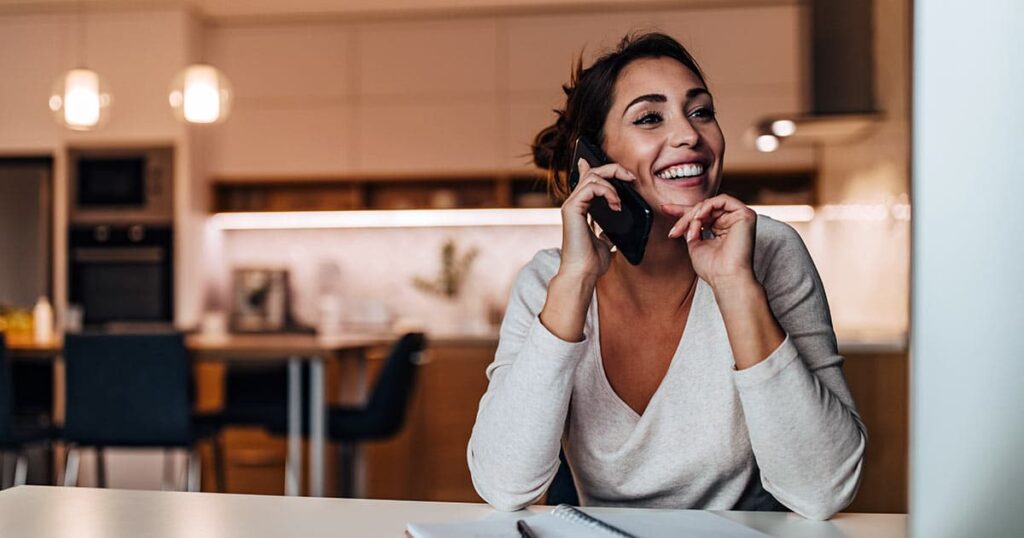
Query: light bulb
200	94
767	143
79	100
783	128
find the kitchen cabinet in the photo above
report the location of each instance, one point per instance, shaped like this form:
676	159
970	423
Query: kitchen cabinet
478	191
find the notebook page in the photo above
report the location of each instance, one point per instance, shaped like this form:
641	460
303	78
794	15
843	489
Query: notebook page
645	524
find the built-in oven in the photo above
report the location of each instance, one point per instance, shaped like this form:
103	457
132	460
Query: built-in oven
126	185
121	275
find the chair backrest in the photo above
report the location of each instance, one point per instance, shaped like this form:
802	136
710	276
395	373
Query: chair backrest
127	390
389	400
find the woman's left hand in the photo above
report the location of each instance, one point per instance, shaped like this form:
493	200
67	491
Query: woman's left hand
727	256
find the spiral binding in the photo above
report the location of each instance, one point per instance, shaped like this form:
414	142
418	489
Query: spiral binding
573	514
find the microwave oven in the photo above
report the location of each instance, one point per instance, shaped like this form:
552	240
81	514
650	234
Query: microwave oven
121	185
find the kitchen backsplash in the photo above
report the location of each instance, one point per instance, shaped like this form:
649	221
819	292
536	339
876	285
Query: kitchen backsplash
863	263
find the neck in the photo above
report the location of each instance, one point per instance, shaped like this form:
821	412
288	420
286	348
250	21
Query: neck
664	277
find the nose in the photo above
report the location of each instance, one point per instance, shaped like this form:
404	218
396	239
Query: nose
683	134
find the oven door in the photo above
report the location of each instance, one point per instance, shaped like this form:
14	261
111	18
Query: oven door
122	284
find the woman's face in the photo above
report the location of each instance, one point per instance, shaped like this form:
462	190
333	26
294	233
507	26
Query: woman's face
662	127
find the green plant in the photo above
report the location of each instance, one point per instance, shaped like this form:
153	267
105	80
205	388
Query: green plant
452	275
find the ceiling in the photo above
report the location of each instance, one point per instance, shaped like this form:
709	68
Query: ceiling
264	9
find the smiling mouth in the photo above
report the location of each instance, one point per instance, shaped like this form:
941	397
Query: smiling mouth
681	171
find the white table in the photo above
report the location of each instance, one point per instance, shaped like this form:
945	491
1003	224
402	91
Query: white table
54	512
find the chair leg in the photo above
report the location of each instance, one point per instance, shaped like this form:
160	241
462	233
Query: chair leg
3	469
71	467
195	471
219	471
21	469
101	468
346	474
167	482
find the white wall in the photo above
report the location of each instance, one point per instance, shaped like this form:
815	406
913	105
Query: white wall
967	433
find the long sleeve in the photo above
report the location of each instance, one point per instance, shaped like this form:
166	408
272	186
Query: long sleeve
513	451
804	429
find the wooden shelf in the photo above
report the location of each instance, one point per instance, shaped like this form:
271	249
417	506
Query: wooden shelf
345	193
477	191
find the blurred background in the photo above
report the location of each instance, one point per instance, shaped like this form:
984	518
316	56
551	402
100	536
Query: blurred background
342	167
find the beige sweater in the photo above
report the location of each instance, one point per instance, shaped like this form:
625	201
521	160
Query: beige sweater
711	437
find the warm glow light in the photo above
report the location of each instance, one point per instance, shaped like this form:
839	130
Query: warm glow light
81	99
200	94
767	143
438	218
786	213
783	128
202	104
404	218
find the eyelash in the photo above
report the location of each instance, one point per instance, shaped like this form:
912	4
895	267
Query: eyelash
650	118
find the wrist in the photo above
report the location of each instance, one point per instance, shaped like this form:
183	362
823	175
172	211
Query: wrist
570	276
740	282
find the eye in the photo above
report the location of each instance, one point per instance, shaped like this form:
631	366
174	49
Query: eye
703	113
648	118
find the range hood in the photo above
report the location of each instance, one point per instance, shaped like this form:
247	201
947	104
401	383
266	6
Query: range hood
842	80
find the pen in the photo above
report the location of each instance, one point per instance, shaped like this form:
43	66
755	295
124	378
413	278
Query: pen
524	529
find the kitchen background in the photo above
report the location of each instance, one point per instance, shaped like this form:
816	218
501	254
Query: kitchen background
449	96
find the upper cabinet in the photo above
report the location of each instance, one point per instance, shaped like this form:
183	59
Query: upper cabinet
466	95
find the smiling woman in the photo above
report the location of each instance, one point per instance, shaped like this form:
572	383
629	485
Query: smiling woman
709	377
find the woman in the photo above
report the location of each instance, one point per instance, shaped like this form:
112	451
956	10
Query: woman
705	377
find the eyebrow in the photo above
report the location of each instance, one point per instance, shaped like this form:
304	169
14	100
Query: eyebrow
660	98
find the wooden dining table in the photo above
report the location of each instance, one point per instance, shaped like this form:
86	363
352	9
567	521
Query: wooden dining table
290	348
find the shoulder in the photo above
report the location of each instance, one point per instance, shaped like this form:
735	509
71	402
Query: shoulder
777	245
536	274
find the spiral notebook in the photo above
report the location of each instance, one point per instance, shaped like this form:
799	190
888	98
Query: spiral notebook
569	522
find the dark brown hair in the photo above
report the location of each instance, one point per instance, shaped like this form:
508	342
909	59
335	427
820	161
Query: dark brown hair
589	95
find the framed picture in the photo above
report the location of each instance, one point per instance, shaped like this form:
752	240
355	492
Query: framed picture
259	300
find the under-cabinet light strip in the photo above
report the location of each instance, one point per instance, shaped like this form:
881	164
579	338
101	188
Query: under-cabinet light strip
437	218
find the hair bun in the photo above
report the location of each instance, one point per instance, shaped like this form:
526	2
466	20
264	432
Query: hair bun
549	146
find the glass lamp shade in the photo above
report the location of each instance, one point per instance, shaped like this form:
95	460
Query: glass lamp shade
200	93
80	100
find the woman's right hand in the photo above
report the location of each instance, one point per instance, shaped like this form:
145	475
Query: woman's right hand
585	255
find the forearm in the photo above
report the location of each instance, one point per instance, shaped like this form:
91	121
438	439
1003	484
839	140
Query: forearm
752	328
808	444
565	310
513	451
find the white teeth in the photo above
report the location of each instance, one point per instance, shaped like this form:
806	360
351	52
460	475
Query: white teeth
684	170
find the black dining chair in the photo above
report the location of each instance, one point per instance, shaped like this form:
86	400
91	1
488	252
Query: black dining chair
128	390
17	432
381	417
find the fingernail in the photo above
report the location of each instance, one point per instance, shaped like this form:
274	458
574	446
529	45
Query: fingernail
581	162
673	230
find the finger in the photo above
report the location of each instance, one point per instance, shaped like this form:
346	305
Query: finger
722	202
583	166
613	170
607	190
584	196
607	242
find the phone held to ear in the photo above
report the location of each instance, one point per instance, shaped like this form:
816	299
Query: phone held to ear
628	229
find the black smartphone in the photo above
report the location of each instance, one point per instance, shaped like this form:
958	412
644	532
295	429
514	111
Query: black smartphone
628	229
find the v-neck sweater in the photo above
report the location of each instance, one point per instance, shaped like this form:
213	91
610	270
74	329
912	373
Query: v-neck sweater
711	437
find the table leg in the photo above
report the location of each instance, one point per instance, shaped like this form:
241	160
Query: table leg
293	467
317	417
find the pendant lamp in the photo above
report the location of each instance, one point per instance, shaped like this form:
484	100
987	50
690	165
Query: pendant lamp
80	99
201	93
